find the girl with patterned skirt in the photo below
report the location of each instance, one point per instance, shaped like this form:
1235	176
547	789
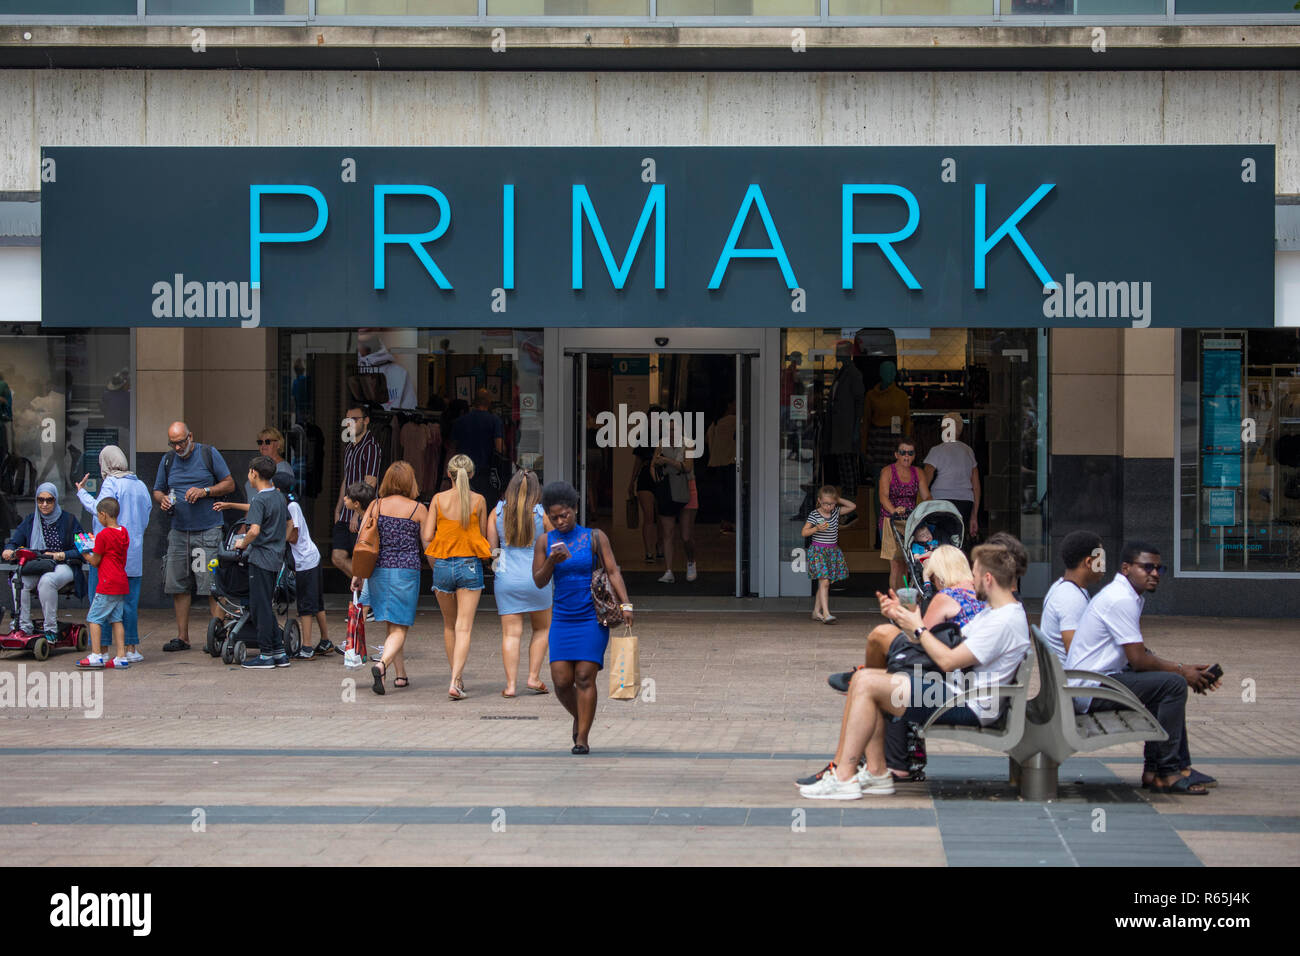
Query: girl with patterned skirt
825	559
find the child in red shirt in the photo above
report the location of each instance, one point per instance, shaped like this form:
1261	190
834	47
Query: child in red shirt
109	556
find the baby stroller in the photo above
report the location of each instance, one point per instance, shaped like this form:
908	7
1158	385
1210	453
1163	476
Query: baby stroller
70	634
944	520
228	639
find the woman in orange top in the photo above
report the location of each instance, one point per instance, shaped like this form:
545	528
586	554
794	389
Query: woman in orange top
456	529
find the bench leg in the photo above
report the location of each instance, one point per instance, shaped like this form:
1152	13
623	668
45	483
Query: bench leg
1038	778
1013	772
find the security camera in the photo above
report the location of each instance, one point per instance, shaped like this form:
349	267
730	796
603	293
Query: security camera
661	340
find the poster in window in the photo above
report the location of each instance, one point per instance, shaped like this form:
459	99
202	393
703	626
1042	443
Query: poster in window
1222	508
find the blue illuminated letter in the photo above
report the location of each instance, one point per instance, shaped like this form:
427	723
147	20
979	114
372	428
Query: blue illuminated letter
753	196
414	240
882	239
256	237
984	246
583	208
508	237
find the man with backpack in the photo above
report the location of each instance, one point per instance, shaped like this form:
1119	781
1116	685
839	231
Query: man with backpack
189	475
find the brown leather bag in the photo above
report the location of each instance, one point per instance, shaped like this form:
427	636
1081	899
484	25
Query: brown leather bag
366	551
609	610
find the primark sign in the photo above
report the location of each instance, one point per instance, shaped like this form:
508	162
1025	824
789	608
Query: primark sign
658	237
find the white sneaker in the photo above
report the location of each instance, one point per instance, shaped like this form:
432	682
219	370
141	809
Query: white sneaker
667	578
135	657
880	786
376	652
830	787
690	571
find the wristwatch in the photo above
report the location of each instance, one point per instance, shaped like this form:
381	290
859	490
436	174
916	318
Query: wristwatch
205	493
919	631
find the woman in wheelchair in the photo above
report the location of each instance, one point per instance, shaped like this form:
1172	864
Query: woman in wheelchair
51	532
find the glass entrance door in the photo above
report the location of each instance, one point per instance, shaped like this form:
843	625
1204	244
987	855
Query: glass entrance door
662	465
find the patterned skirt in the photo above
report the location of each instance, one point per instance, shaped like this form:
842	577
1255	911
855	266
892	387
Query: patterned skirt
826	562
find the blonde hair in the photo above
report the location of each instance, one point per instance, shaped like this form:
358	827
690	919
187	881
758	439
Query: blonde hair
460	470
276	436
522	495
947	566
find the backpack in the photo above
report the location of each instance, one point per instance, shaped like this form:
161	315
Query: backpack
170	457
17	476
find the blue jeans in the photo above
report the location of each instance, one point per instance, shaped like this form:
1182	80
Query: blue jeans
130	614
453	574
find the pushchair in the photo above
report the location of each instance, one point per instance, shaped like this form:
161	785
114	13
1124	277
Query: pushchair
229	638
70	634
945	521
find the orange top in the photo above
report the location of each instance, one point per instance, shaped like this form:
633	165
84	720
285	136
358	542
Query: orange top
450	540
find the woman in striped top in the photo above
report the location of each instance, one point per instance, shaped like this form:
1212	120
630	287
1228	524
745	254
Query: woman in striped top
825	559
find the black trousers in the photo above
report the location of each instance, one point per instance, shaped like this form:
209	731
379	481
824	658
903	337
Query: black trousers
1165	695
261	588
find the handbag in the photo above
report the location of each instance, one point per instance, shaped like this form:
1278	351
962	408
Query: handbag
905	654
679	487
609	610
366	552
38	565
624	666
633	514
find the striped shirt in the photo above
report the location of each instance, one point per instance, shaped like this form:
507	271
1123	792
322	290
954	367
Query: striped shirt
828	529
360	458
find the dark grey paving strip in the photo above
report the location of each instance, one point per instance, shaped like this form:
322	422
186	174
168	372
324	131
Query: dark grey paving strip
1224	822
168	815
940	765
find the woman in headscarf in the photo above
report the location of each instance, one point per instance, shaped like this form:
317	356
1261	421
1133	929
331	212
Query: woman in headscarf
134	504
52	532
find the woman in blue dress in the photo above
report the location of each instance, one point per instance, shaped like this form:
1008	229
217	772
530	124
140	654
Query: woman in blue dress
578	640
517	522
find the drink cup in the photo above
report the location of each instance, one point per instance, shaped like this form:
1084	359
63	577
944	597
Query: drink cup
909	597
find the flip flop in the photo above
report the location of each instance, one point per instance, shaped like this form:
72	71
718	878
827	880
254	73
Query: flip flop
1182	788
459	695
1204	779
507	696
378	672
540	690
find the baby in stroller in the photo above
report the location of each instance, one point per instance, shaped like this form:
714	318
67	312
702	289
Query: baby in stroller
230	638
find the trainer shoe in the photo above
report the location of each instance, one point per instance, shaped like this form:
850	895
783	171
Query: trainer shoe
93	661
841	681
830	787
281	660
118	663
325	646
810	780
259	663
880	786
370	615
690	571
667	578
135	657
305	654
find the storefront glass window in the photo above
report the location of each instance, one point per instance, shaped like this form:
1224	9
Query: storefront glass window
569	8
414	384
911	8
1235	6
1239	457
738	8
90	8
226	8
1085	7
396	8
992	378
63	397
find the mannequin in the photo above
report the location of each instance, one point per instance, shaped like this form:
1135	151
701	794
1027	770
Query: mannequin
845	419
888	416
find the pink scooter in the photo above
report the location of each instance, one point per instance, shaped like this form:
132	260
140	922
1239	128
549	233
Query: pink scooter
70	634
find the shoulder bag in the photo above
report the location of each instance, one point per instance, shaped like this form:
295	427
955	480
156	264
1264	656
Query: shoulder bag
366	552
609	610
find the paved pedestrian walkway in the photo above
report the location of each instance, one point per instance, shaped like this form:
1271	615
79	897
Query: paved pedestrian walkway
195	762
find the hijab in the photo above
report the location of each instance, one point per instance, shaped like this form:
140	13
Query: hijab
113	463
45	531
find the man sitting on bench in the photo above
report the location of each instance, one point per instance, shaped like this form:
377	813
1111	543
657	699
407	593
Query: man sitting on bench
1108	641
995	642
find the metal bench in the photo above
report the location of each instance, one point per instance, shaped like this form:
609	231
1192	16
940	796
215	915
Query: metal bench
1041	733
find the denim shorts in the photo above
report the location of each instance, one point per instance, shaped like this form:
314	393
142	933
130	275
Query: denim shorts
106	609
453	574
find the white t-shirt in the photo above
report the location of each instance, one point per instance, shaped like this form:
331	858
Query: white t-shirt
305	553
952	461
1062	610
1109	622
999	639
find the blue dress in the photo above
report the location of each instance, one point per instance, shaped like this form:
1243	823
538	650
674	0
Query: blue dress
575	634
513	585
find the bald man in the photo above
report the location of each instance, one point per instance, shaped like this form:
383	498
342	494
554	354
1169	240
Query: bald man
190	474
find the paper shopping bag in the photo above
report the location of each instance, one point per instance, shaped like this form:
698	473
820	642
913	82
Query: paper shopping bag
354	650
624	666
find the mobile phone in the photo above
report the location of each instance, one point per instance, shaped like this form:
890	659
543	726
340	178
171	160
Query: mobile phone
1214	673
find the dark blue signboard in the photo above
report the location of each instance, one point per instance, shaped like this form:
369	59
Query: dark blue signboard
659	236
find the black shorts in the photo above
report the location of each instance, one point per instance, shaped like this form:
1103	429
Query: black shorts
342	539
309	588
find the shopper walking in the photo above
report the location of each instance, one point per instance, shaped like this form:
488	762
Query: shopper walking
826	564
134	507
569	554
395	582
674	465
641	486
517	522
901	488
456	529
953	473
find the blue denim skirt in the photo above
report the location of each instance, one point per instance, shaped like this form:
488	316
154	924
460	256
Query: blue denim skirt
393	595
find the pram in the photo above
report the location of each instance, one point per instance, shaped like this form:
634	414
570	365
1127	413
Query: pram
70	634
227	639
945	519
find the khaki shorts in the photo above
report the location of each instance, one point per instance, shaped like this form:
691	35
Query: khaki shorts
179	576
888	546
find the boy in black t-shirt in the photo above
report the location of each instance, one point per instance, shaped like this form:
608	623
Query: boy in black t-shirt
268	516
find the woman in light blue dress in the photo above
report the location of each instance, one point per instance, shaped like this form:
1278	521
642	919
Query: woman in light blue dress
516	523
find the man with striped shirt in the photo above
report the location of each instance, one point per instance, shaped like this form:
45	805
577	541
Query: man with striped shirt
361	462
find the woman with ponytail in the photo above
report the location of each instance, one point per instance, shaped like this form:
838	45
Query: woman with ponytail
517	522
456	529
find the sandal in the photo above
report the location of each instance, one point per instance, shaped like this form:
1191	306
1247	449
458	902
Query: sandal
1183	787
580	749
1204	779
176	644
401	682
507	696
455	693
540	690
378	672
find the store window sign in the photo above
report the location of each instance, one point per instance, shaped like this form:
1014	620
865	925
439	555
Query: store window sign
1025	237
1221	509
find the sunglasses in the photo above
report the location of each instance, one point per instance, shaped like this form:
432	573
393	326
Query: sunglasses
1150	568
906	454
179	444
45	500
266	441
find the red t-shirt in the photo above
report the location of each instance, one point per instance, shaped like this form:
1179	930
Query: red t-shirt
111	545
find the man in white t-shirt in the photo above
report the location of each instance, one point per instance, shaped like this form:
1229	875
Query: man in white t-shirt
1066	600
995	642
1109	641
